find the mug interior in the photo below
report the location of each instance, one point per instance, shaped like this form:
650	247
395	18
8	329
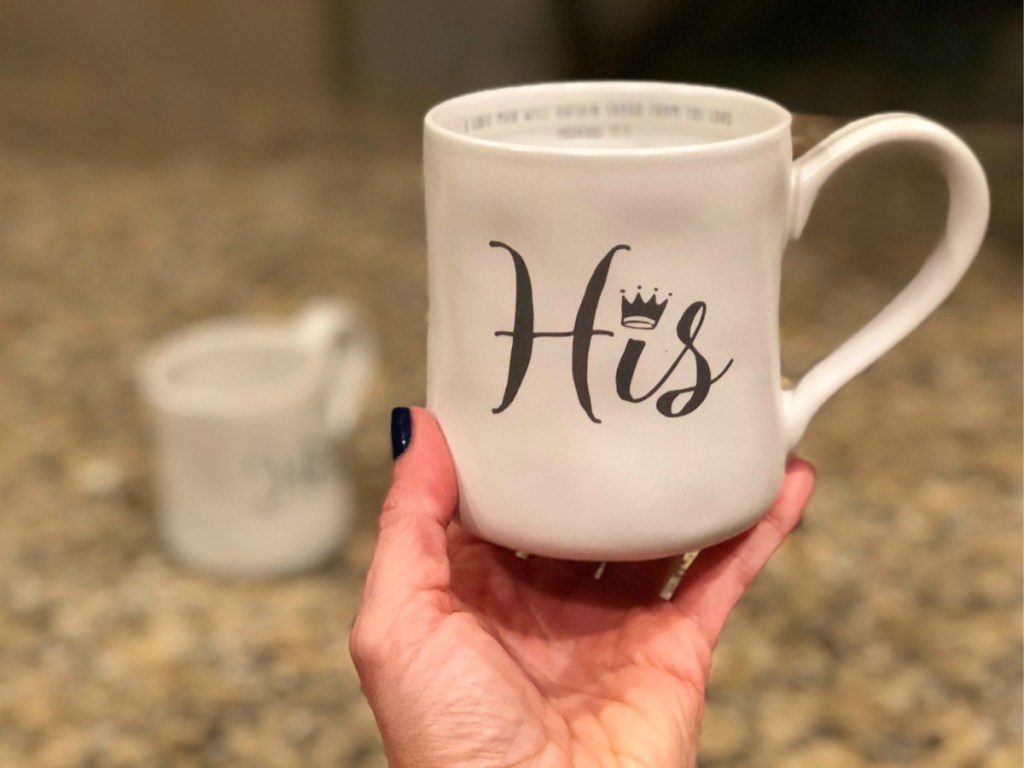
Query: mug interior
245	364
229	368
607	116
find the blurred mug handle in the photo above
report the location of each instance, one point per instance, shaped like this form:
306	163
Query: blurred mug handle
337	330
965	227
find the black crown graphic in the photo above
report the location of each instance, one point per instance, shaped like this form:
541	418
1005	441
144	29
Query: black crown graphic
641	313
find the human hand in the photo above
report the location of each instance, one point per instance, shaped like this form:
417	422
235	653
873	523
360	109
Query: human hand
472	656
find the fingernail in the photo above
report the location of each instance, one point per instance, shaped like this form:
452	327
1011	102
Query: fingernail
401	431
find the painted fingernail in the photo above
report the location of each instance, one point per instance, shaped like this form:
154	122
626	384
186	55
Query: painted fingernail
401	431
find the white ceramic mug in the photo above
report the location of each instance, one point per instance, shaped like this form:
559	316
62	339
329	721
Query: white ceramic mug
248	414
603	349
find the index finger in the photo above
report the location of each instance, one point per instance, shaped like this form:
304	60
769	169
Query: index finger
720	575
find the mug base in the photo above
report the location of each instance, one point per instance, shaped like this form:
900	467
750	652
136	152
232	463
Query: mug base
609	552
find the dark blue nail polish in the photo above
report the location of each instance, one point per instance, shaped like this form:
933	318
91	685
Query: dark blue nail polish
401	431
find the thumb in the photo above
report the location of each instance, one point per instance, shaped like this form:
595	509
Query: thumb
410	563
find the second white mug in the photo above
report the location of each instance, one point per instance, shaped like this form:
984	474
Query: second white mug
248	415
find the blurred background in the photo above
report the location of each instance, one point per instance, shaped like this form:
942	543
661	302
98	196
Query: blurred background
167	161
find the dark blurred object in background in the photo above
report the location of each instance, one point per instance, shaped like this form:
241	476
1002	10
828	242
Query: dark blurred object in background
950	58
947	58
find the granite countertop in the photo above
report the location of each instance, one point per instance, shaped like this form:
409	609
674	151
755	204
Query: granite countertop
887	631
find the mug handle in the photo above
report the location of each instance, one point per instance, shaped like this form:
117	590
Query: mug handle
965	227
337	330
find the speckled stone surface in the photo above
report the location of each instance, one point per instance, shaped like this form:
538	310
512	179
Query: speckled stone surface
886	633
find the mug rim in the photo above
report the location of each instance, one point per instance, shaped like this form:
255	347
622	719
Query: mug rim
435	128
156	366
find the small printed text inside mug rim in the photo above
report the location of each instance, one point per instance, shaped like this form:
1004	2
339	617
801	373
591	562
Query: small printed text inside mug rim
608	118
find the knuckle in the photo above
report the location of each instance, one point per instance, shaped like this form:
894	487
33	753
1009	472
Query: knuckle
367	641
392	503
393	508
